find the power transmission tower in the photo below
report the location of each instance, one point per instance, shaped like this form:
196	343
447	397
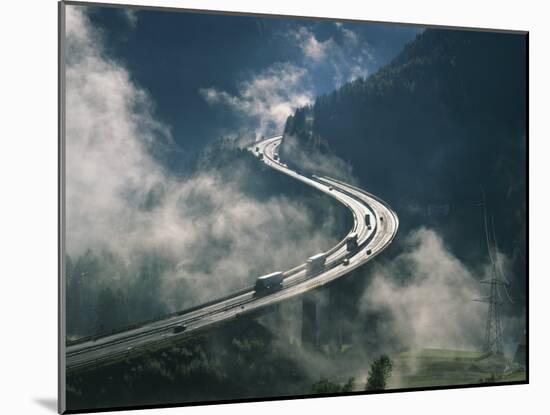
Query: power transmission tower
493	328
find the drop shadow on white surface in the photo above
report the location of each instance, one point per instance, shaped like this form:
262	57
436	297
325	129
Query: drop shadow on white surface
48	403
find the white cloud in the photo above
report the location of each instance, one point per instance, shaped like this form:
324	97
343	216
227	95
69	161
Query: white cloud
311	47
354	59
314	49
350	35
120	199
131	17
235	238
429	295
357	71
109	126
347	55
267	99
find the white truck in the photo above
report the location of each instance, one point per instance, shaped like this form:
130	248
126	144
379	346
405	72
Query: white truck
316	263
268	283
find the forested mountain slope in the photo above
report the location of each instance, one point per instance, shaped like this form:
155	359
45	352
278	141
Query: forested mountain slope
432	131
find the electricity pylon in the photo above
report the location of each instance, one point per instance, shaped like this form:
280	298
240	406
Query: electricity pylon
493	328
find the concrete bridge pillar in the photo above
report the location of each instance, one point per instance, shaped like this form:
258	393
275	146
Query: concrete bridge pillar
310	320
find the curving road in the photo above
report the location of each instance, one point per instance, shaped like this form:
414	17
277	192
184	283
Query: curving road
92	351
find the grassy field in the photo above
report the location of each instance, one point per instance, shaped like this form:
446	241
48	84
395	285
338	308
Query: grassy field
438	367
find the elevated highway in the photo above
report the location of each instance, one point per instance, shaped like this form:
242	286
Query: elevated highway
372	239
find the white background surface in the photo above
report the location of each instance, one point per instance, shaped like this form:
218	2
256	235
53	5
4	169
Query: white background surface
28	227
